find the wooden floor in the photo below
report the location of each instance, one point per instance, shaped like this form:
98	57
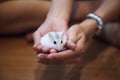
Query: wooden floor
17	62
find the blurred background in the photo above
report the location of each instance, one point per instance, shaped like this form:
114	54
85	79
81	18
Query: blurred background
20	18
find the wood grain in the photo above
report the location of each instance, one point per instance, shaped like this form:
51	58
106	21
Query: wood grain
101	61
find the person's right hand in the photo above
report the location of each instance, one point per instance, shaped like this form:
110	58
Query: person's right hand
48	26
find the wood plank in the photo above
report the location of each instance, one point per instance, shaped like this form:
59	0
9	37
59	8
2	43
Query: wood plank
101	61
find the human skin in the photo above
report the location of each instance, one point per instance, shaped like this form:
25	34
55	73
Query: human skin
81	34
17	16
21	16
17	19
57	20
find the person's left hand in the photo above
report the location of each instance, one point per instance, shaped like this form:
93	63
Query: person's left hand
78	36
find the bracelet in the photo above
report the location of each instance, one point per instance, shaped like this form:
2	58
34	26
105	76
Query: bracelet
98	19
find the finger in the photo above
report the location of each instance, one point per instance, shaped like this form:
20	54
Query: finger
81	43
37	47
53	51
64	62
73	59
45	49
71	45
72	37
64	55
36	37
42	58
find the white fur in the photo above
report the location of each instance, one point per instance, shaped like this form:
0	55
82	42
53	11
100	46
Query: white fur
55	40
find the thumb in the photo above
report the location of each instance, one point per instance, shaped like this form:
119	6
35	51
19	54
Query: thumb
72	39
36	38
74	35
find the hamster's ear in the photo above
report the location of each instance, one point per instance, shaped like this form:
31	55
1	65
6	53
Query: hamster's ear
50	36
64	39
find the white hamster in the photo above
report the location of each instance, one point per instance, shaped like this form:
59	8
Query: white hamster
55	40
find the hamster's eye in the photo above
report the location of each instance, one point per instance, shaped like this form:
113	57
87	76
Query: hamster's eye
55	42
61	41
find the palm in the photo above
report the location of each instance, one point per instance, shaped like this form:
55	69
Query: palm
70	55
58	26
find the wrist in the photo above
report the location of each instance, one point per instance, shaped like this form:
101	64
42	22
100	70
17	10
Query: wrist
56	21
89	26
57	24
60	9
58	15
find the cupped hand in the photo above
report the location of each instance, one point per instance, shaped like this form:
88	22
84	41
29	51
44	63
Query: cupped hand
78	37
48	26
